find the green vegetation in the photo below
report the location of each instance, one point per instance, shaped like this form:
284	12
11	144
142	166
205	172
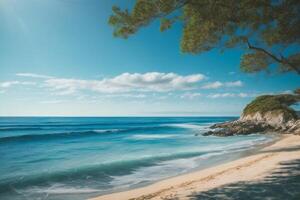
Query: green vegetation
266	29
275	103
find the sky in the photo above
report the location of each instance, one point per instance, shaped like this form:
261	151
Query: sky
59	58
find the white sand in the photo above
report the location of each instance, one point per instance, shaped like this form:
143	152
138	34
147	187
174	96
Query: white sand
250	168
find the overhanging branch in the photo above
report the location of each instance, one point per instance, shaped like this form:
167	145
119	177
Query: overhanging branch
281	60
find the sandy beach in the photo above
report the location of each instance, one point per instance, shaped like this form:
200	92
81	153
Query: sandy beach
252	168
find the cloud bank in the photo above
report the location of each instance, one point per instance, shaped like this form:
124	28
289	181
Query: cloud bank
225	95
8	84
218	84
32	75
191	95
127	82
130	85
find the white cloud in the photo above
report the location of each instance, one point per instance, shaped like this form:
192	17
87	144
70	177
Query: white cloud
189	95
220	95
213	85
8	84
218	84
32	75
126	82
226	95
234	84
244	95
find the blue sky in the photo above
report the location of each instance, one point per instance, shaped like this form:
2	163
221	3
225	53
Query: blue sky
58	57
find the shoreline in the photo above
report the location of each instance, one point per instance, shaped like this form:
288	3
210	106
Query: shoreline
213	161
249	168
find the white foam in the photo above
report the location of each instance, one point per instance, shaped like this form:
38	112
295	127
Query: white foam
107	130
152	136
187	126
160	171
175	167
252	142
60	189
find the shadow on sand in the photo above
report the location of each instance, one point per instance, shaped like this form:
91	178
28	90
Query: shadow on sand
282	184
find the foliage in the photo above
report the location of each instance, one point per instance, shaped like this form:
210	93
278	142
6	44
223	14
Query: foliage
277	103
266	29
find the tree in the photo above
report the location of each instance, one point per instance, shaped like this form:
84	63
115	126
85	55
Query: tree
271	103
268	30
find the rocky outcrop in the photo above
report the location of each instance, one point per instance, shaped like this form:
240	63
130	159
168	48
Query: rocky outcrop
237	128
279	118
256	124
272	118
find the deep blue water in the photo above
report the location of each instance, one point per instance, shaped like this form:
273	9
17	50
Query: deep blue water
76	158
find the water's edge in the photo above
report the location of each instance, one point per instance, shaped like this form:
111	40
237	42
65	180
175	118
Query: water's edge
212	162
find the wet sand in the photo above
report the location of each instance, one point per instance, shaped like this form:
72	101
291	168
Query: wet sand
190	186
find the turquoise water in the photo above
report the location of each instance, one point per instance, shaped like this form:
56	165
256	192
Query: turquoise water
76	158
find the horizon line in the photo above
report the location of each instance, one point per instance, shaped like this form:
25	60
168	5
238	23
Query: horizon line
112	116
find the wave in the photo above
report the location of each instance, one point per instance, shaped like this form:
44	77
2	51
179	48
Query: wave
103	172
115	174
20	128
181	165
187	126
162	170
107	172
250	143
108	130
152	136
59	189
57	124
131	123
23	127
48	136
107	126
72	134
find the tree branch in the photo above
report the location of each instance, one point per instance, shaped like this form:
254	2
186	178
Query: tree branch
281	60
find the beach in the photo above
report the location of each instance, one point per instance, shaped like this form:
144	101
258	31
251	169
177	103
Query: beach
81	158
143	158
254	168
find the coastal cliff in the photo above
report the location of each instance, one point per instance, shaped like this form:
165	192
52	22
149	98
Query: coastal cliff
267	113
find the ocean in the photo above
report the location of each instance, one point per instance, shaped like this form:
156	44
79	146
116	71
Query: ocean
80	157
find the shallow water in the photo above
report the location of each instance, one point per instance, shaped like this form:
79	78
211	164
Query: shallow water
76	158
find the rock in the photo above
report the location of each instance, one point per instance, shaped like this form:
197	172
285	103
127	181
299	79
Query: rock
242	127
256	118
